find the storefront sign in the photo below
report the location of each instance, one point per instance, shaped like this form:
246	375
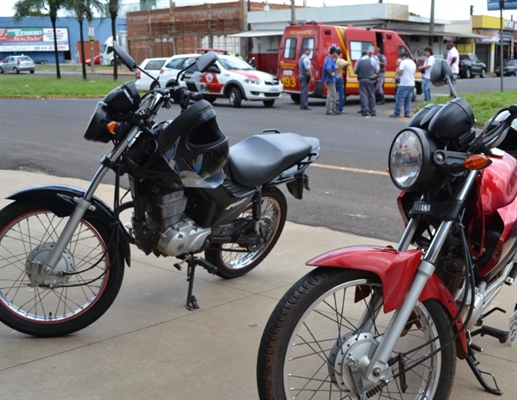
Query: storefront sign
32	39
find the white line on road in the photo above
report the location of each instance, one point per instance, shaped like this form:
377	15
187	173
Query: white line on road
348	169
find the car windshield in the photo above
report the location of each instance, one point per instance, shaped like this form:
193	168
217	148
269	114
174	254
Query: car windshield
512	62
230	63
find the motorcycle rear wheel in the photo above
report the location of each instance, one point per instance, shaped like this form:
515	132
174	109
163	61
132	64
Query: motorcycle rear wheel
314	331
233	260
83	285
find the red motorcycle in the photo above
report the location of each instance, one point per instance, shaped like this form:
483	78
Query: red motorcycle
390	323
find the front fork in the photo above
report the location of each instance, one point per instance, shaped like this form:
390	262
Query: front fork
379	360
84	203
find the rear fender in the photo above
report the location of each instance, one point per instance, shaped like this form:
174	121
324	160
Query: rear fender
396	271
59	200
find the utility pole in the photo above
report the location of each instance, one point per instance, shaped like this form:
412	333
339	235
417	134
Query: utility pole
431	25
293	18
501	8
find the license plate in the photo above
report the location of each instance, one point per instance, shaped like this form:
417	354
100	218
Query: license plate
288	72
513	329
274	90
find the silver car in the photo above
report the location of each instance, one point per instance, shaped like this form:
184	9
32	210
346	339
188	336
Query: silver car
17	64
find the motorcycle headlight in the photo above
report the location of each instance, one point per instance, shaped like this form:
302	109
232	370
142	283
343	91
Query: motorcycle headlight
410	160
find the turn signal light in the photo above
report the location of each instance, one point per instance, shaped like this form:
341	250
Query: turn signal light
112	127
476	162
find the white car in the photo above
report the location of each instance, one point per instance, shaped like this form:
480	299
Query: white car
152	66
172	66
17	64
230	77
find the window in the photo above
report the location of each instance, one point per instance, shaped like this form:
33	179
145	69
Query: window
290	48
175	64
308	42
357	48
154	65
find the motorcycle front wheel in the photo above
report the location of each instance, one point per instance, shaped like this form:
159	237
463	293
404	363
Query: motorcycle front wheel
233	260
48	303
330	321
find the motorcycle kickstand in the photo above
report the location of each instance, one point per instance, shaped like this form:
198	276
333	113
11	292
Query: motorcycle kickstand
473	362
191	299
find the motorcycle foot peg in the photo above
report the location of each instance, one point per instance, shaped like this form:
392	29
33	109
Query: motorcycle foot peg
499	334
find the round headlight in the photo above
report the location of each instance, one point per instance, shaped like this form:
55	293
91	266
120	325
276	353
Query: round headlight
410	165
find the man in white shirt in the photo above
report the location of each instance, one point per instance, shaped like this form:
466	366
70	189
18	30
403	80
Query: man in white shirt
426	72
406	70
453	58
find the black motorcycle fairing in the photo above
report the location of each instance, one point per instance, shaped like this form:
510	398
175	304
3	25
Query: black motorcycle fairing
59	200
258	159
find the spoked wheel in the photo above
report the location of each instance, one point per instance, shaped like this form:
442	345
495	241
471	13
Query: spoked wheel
233	260
42	302
332	318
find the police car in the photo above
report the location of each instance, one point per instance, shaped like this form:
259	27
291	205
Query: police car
234	79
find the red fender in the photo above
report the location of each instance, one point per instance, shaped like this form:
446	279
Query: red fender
395	270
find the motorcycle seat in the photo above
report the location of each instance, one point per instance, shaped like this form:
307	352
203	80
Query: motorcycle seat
258	159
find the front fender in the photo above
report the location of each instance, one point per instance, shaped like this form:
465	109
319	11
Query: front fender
59	200
395	270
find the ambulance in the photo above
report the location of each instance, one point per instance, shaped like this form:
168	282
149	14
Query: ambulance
352	41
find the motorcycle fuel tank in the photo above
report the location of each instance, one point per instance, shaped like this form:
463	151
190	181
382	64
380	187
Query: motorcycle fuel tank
499	182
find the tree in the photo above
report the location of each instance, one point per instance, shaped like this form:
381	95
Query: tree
112	8
25	8
85	9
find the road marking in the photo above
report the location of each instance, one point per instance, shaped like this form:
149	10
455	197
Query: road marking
348	169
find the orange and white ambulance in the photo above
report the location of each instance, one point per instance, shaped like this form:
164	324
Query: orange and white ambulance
352	41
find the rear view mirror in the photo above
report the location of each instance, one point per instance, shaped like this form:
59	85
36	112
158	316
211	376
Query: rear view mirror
439	72
126	58
206	60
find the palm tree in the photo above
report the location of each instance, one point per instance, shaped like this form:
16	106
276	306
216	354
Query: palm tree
112	9
85	9
25	8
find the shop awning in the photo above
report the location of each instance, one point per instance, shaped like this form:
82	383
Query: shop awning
441	34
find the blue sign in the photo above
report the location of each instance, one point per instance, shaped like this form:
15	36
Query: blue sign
508	5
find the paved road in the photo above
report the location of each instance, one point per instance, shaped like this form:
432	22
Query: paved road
350	192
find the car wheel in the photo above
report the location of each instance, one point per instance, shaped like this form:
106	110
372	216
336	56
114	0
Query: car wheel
154	85
269	103
1	71
295	97
235	97
483	73
32	72
468	73
15	70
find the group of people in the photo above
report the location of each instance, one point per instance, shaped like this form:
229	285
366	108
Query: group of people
332	76
370	69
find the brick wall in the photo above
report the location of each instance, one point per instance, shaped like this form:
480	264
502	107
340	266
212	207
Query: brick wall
177	30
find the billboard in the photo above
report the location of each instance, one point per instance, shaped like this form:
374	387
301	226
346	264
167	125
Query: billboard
33	39
508	5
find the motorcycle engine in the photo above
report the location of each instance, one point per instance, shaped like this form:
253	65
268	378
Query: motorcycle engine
174	234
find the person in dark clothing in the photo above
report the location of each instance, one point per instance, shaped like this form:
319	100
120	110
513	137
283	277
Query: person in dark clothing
366	68
305	67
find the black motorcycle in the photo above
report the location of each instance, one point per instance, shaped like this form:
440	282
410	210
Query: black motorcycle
63	250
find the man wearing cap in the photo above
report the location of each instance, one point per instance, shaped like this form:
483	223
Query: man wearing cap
305	67
329	77
366	68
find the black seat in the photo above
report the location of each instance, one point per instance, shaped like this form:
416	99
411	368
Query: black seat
258	159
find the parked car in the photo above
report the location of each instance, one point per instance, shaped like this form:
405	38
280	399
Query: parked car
510	68
152	66
471	66
17	64
173	65
96	60
230	78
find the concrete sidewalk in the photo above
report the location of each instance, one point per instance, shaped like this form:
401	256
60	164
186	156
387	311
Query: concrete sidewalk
149	346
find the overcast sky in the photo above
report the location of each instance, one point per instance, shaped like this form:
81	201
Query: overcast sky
444	9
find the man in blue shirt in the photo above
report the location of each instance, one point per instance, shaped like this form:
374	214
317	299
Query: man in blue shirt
329	77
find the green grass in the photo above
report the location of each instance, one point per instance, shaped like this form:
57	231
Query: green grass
484	104
26	86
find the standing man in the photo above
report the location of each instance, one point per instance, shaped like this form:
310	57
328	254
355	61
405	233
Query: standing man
340	82
453	58
305	67
426	71
366	68
380	77
329	77
406	70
